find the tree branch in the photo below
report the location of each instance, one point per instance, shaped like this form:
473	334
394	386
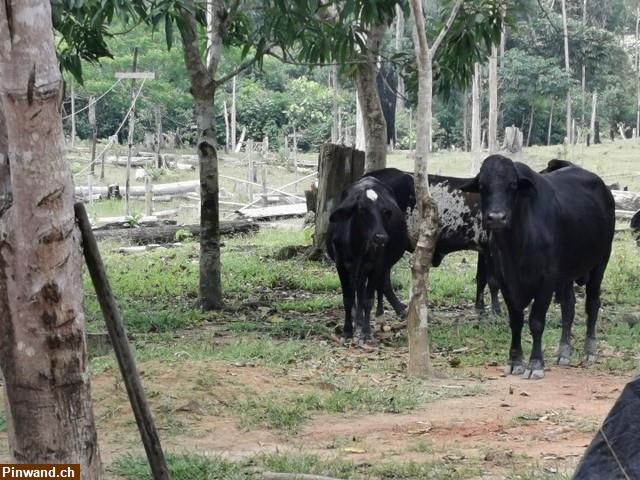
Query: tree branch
243	66
445	29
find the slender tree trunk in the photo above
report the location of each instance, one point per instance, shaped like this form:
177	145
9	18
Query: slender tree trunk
493	101
475	120
132	122
360	136
553	101
567	68
637	62
375	126
417	316
399	36
530	125
594	104
42	345
465	121
234	137
335	131
201	79
226	127
73	113
584	69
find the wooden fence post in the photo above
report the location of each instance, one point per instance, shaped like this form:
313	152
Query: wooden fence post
118	336
263	175
338	166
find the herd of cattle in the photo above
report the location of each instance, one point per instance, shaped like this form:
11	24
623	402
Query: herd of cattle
536	234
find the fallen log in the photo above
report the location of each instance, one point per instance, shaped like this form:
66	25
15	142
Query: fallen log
278	211
167	233
135	161
626	200
175	188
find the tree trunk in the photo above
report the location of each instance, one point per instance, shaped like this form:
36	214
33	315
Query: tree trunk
553	101
493	100
360	136
335	130
465	121
158	139
594	105
234	132
567	68
530	126
338	166
475	120
399	36
637	62
42	348
132	122
419	364
73	114
203	91
375	127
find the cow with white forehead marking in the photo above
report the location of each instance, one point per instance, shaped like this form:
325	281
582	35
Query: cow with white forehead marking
460	224
367	235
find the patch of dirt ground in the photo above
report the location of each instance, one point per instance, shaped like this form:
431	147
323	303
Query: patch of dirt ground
513	421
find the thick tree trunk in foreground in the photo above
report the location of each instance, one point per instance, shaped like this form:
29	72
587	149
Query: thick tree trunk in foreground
419	364
375	126
203	91
338	166
42	345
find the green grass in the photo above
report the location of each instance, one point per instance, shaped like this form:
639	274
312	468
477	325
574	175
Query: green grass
205	467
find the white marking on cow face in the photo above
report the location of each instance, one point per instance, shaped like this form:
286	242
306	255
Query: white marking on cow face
371	195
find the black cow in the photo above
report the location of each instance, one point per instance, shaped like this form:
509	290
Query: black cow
367	235
460	224
547	231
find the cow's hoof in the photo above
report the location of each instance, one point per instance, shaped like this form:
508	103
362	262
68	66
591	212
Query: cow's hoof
534	371
590	351
401	311
563	355
513	368
347	341
535	374
379	312
366	344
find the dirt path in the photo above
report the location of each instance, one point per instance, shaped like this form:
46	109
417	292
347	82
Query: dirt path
548	422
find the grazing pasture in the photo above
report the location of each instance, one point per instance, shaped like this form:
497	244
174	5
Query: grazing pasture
265	384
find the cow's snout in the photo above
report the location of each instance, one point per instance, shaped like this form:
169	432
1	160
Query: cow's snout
380	239
496	220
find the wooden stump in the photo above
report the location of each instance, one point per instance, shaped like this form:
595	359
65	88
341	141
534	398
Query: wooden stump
512	139
311	197
338	166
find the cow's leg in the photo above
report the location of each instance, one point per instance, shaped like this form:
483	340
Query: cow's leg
592	305
348	301
368	293
567	300
494	287
481	282
535	369
514	363
380	305
397	305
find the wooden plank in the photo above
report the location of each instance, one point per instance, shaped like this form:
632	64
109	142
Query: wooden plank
118	336
136	75
294	210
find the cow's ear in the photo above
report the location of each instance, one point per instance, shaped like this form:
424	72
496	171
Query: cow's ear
341	214
472	186
526	186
